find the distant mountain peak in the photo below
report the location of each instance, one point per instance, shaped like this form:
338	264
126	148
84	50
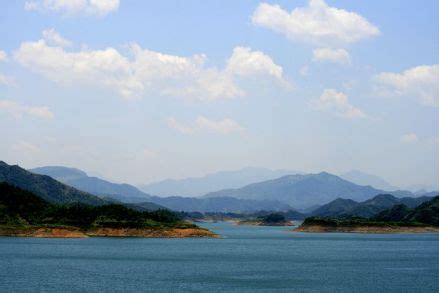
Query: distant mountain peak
302	191
198	186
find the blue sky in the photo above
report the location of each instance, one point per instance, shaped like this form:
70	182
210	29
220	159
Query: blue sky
140	91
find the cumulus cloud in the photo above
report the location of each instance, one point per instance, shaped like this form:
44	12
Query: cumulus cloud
409	138
245	62
202	123
73	7
145	72
55	39
316	24
421	82
338	103
332	55
19	110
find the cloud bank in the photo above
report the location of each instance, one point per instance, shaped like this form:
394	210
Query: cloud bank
143	72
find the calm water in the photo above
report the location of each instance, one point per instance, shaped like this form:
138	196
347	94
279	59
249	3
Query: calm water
247	259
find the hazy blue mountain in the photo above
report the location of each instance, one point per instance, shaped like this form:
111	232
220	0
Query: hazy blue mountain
80	180
61	174
302	191
362	178
218	204
193	187
368	208
44	186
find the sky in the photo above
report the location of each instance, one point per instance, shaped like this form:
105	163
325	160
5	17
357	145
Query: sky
139	91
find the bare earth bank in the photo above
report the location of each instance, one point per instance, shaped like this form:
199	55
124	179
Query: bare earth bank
107	232
365	229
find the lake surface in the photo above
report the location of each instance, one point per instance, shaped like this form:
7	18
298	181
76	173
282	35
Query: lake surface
247	259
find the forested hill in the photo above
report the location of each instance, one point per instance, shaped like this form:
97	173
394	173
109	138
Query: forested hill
44	186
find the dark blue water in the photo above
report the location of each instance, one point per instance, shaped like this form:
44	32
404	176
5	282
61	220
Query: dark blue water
247	259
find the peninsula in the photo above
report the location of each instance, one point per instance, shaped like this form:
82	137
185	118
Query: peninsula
398	219
22	213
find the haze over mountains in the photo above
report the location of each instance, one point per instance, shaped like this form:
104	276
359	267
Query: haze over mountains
302	191
289	192
80	180
44	186
361	178
198	186
130	194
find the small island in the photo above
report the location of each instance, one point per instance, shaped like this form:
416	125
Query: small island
399	219
273	219
24	214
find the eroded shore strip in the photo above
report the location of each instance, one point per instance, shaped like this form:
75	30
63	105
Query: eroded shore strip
366	229
108	232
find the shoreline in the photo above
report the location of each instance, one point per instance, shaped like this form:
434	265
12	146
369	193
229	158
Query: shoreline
366	229
72	232
261	223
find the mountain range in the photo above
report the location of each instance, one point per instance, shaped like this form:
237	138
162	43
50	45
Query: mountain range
219	204
367	208
302	191
45	186
290	192
198	186
129	194
80	180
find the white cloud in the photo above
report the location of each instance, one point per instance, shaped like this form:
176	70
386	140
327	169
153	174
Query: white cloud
317	23
332	55
145	72
73	7
54	38
18	110
337	103
202	123
245	62
3	56
421	82
223	126
409	138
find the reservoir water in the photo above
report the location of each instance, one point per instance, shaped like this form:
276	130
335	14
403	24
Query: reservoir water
246	259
